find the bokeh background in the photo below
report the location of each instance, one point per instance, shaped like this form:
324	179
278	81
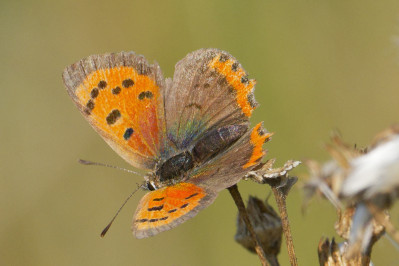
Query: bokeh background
319	66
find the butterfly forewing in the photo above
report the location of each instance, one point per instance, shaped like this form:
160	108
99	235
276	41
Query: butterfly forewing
210	89
121	96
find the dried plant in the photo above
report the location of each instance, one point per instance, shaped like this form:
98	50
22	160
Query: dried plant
267	226
362	184
259	229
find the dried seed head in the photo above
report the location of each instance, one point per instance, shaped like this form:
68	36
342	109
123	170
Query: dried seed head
367	180
267	226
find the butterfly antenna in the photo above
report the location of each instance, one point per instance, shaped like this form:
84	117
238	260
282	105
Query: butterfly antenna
85	162
113	219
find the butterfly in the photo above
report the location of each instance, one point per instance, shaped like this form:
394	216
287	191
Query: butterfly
191	133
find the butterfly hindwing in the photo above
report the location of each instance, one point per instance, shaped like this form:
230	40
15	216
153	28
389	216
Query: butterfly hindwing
210	89
227	168
165	208
121	96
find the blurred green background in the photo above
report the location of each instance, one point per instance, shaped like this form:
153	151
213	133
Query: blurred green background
319	66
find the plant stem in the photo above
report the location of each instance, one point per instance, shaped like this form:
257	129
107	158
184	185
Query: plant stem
282	207
244	216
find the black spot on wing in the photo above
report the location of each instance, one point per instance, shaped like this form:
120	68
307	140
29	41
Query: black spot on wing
223	58
172	210
156	208
245	80
102	84
90	105
234	67
183	206
145	94
128	133
158	199
127	83
113	116
116	90
261	131
151	220
94	93
193	195
195	105
251	100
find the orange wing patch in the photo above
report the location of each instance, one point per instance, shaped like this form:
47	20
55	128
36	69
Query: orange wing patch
238	79
258	137
167	207
123	104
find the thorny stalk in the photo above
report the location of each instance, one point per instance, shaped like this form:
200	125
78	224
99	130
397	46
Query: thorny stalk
280	197
244	216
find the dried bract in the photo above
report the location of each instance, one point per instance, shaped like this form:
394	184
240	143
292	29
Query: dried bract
277	177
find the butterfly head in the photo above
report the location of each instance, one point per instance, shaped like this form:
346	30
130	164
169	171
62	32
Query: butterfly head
153	182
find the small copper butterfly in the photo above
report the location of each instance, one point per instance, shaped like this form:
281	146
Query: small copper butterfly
191	132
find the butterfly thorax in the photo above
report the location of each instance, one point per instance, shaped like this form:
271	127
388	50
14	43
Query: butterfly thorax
170	172
178	167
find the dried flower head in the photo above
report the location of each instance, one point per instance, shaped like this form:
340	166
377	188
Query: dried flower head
367	180
376	172
267	226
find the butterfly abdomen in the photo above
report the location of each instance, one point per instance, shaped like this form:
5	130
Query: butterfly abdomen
216	141
175	166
